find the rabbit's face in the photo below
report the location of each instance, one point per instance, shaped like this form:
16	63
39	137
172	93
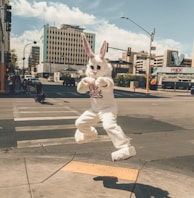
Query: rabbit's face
98	67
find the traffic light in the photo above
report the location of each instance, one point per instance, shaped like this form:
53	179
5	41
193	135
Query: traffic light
129	51
107	44
9	57
7	69
8	27
7	17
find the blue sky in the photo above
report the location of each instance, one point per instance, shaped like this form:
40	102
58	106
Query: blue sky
172	20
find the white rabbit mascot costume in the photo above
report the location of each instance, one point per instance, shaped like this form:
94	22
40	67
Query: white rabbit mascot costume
103	107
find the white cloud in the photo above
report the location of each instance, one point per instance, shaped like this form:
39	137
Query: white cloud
52	12
122	39
62	14
167	44
18	43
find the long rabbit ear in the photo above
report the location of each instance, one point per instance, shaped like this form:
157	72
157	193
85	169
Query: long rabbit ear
103	50
87	46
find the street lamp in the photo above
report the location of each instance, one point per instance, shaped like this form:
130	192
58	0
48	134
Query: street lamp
151	35
34	42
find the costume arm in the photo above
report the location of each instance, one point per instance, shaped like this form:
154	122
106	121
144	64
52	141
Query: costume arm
105	83
83	85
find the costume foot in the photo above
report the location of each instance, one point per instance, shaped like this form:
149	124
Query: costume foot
123	153
81	138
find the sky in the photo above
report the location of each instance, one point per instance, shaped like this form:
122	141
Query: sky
173	21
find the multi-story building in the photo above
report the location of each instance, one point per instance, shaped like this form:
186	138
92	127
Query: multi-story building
5	28
5	34
33	59
170	58
158	60
62	48
139	61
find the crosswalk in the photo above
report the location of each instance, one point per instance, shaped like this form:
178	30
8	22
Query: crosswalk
45	124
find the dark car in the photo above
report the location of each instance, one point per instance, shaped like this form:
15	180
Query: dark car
68	81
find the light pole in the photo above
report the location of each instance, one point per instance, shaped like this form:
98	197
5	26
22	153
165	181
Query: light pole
24	54
151	35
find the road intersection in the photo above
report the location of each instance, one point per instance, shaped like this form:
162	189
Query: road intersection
161	128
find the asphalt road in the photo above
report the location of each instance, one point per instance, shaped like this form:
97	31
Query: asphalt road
57	90
161	128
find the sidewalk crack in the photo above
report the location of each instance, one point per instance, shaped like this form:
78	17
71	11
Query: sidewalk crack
141	168
55	172
27	176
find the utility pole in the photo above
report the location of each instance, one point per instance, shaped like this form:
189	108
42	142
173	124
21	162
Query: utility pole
2	68
34	42
151	35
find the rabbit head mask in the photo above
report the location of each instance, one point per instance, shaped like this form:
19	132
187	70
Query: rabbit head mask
97	65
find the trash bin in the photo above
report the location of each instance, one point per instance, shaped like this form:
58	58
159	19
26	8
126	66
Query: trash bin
192	90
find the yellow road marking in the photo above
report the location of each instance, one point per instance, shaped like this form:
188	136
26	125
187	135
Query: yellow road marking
102	170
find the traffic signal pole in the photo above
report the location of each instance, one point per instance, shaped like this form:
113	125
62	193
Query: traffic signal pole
2	69
2	81
151	35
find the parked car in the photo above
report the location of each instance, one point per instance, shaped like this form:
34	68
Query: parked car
28	76
68	81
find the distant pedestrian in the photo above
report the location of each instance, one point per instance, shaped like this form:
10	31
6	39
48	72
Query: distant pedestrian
39	88
28	86
12	84
40	96
24	85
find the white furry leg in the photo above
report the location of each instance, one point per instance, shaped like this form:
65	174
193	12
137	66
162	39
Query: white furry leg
81	138
123	153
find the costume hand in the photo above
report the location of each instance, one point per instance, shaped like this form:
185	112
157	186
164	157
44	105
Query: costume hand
88	80
101	82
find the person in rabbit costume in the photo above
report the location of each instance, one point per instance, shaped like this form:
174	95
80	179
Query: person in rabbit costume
99	83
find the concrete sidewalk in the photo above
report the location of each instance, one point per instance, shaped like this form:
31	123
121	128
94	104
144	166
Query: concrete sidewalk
36	173
160	92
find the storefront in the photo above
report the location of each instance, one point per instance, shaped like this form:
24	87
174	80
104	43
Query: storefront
174	77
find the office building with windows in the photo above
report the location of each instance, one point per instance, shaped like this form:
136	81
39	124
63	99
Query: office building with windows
33	59
170	58
61	48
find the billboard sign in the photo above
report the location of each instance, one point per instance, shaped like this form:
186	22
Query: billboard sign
177	60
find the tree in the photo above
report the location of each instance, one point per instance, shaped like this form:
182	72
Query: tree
12	61
13	58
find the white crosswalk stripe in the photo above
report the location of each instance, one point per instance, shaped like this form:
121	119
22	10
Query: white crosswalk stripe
57	141
33	119
45	118
50	127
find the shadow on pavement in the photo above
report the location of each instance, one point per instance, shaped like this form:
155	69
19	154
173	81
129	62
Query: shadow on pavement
137	125
47	103
140	190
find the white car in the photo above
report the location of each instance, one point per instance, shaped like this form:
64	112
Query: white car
34	81
50	79
28	77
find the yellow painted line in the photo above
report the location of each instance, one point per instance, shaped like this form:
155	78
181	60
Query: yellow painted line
102	170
